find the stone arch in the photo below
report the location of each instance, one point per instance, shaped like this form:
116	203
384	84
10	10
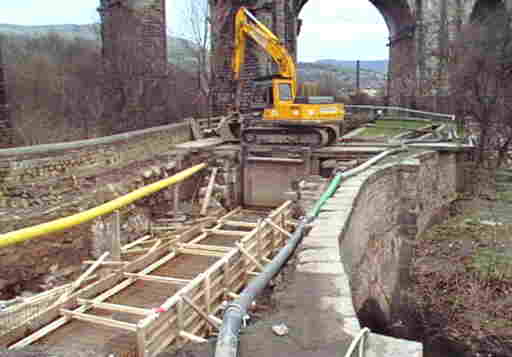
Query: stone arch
400	18
282	16
483	9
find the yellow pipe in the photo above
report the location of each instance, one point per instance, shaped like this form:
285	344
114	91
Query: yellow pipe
60	224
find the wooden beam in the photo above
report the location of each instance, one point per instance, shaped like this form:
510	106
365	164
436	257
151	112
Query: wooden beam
209	192
189	234
269	221
158	279
115	237
230	214
192	337
94	289
99	320
76	284
248	255
240	224
206	253
228	233
199	238
116	307
233	295
155	246
105	263
216	248
205	316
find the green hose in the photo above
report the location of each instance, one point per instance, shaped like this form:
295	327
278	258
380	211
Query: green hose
333	186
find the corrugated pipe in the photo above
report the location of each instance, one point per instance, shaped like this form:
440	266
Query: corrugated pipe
60	224
228	339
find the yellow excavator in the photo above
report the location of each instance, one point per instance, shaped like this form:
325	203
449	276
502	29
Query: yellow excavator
279	117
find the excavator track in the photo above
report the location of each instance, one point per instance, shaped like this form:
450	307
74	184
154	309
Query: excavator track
289	135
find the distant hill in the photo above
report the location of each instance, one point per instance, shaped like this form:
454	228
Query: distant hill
179	50
344	72
377	66
90	32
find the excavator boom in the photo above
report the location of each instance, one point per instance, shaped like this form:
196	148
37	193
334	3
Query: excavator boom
246	25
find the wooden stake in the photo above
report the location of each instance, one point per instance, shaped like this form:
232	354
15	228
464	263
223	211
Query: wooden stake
141	342
176	189
115	244
209	192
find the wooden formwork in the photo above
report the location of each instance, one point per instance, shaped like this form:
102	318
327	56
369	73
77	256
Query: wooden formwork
238	245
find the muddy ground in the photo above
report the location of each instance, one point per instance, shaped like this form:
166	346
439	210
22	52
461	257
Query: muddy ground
459	302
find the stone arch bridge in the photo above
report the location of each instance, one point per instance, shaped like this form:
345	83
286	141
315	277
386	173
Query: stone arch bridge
419	31
135	51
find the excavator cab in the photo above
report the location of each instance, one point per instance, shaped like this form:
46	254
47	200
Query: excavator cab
271	92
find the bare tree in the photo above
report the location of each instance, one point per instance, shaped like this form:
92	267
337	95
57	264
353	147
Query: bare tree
481	75
204	21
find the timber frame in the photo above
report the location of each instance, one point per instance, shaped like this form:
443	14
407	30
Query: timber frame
190	314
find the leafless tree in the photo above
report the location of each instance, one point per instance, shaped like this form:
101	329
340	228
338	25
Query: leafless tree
481	75
204	21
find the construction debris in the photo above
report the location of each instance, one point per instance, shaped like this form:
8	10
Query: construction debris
280	330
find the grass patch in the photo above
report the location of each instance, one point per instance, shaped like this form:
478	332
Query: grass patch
390	128
385	132
407	124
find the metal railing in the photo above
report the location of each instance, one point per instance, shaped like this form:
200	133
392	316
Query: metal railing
399	113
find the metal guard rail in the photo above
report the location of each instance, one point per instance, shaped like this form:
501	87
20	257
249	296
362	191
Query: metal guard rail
28	233
380	107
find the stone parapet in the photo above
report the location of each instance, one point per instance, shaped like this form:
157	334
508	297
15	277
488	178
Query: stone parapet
56	162
360	244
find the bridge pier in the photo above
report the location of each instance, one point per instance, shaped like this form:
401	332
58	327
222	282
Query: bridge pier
135	64
6	133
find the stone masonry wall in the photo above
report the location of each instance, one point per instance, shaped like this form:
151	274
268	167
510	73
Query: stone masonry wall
42	186
50	164
39	263
383	210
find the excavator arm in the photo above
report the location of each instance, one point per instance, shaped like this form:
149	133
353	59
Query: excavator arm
246	25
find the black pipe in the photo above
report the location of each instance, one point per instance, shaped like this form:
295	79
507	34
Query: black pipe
227	341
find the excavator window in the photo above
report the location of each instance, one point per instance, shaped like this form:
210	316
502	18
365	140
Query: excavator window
269	100
285	92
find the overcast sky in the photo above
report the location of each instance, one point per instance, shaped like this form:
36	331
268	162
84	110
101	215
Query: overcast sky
334	29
